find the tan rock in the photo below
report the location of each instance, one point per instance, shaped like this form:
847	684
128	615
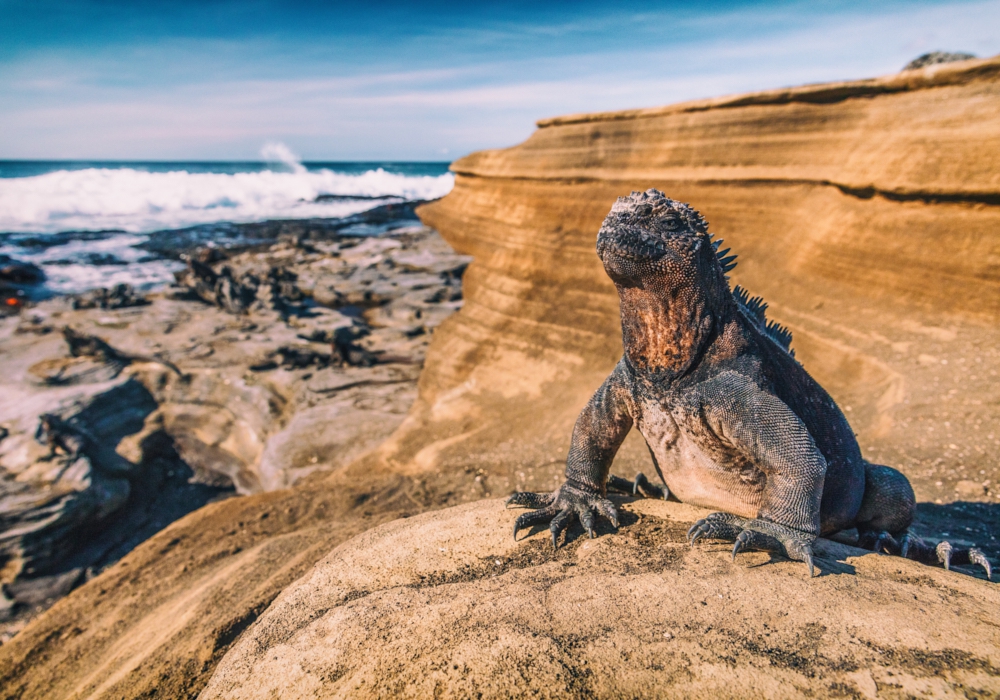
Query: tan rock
446	604
860	212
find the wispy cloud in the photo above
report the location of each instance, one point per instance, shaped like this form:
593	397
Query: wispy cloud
451	89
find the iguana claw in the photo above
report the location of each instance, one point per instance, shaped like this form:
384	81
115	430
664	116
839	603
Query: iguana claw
977	557
569	502
749	534
527	499
533	518
944	551
909	546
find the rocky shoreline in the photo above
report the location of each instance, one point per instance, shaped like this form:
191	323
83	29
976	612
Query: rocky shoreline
264	363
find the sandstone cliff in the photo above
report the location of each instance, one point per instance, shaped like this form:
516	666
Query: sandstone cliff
864	212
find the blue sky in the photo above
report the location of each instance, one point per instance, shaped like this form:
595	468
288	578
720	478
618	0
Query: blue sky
213	79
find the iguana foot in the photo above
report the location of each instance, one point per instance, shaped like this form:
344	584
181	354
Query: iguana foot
909	546
560	508
747	534
641	485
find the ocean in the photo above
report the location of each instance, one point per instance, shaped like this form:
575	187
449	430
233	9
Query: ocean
82	221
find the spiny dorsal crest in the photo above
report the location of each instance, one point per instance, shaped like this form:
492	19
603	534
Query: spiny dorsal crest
754	309
728	262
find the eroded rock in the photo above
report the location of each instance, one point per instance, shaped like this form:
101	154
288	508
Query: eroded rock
105	404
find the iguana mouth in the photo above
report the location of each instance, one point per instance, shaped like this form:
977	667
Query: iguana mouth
639	246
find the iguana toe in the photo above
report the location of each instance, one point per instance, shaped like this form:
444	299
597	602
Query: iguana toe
607	509
642	485
559	524
533	518
619	485
756	534
750	540
527	499
944	551
800	550
976	556
878	541
909	546
717	526
587	520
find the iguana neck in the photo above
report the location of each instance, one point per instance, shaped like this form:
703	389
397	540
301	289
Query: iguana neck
664	333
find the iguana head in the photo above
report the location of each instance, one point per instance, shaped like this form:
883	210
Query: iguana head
671	280
650	236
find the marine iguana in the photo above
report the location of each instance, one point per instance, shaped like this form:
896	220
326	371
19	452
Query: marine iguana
731	419
83	345
75	441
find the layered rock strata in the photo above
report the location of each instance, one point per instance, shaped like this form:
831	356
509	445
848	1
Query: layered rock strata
864	213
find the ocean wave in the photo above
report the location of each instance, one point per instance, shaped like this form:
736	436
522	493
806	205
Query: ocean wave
137	201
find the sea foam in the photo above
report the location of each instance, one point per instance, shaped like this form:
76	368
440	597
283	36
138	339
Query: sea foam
138	201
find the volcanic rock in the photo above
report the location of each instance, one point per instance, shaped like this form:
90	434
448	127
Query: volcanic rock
936	57
139	409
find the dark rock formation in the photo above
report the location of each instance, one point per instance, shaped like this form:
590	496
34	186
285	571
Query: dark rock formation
104	439
929	59
17	272
18	281
118	297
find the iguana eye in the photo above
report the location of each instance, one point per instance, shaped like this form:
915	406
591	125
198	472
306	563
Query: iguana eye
671	223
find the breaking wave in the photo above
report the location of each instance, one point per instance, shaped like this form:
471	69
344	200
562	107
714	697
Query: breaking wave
139	201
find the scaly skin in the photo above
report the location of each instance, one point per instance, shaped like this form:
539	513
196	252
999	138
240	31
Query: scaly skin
732	420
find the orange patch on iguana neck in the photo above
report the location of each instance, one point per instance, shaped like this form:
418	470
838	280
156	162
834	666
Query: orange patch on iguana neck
663	332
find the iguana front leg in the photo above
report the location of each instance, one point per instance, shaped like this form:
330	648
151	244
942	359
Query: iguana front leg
771	437
597	435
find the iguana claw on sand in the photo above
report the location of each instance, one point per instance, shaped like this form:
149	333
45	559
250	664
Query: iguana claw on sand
731	419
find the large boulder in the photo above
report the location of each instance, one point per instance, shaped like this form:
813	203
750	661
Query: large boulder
447	604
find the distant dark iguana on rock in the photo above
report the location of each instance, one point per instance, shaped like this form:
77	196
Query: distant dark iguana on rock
731	419
83	345
75	441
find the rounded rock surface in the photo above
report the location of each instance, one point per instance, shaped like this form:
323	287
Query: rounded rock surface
446	604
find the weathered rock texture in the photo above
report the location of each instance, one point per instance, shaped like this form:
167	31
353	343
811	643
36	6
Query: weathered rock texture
447	605
864	212
158	405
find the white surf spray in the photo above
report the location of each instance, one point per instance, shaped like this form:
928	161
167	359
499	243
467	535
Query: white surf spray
137	201
277	152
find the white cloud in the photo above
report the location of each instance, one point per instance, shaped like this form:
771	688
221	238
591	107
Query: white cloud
60	110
